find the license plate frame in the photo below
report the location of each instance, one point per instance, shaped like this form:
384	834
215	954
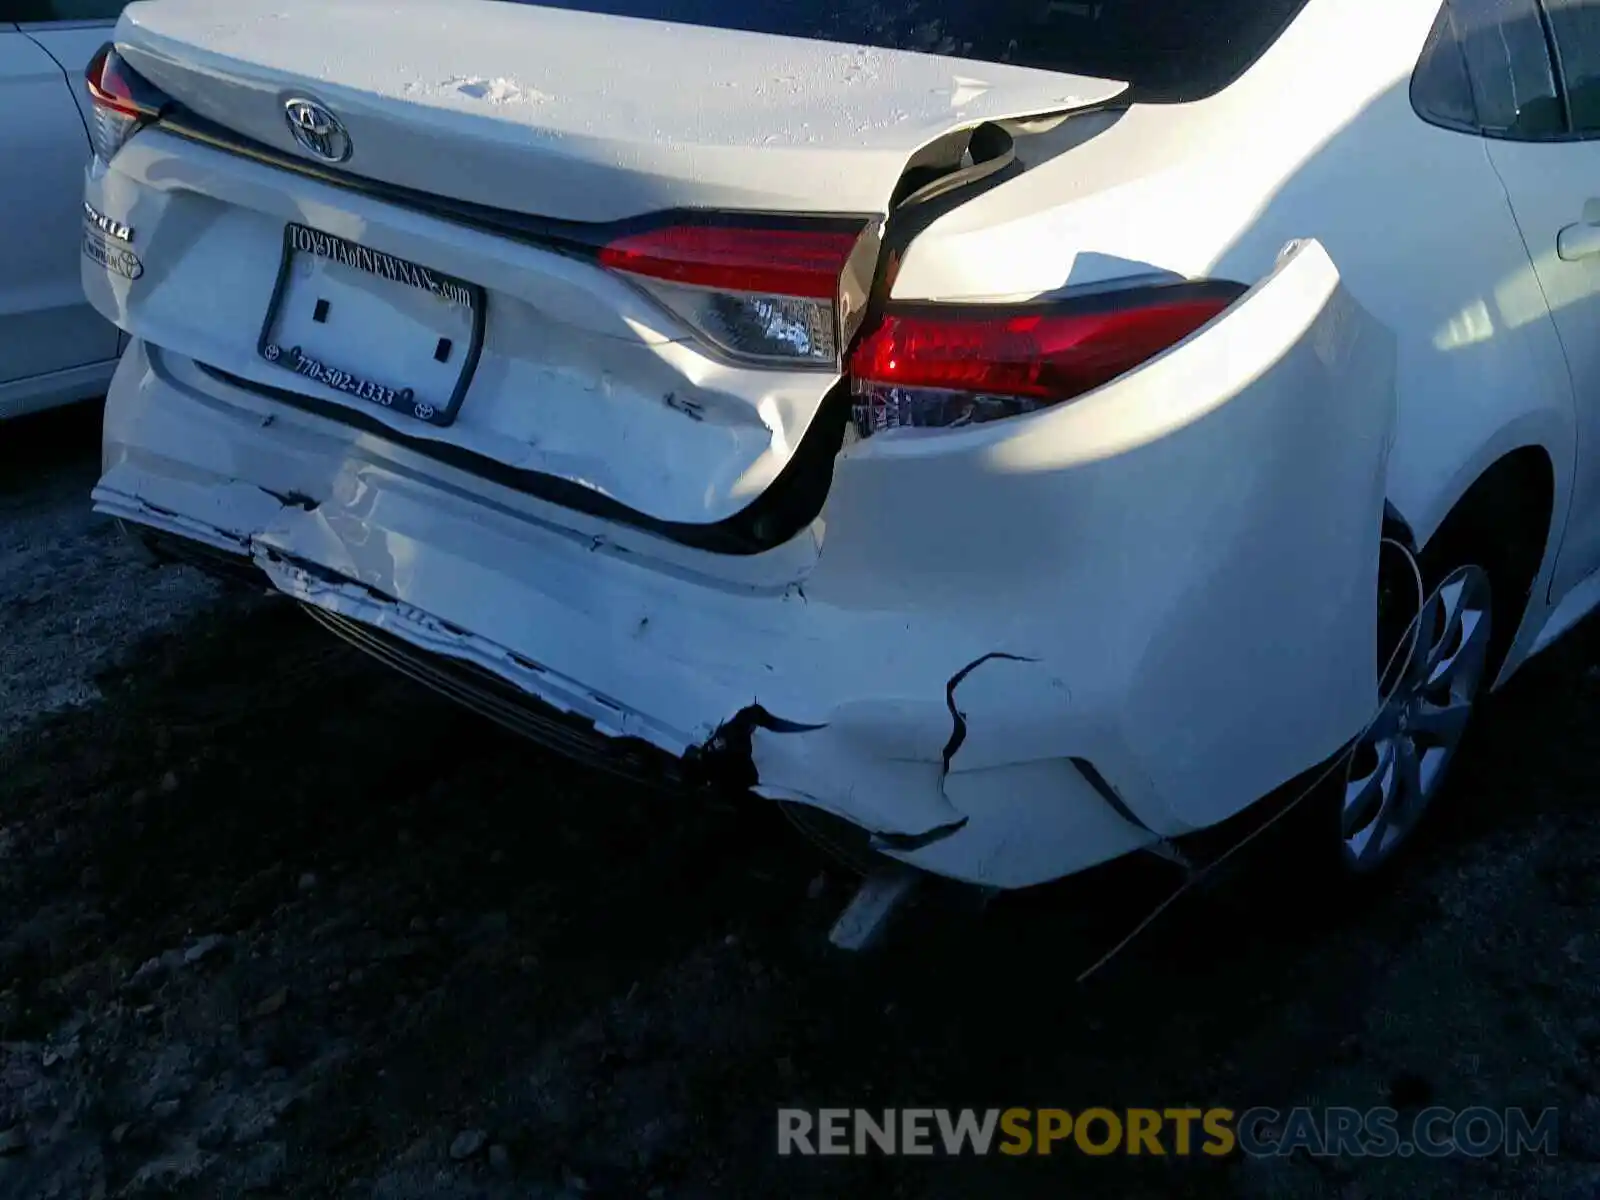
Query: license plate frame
302	239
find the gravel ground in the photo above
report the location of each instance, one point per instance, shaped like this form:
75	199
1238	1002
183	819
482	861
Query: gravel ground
71	594
276	921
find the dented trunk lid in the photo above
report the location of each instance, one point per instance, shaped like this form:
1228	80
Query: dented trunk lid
581	115
561	378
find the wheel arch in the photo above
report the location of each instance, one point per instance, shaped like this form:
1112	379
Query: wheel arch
1504	518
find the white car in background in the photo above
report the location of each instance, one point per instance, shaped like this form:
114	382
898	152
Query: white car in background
1014	456
54	347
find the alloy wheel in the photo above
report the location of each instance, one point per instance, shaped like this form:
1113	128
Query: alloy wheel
1398	765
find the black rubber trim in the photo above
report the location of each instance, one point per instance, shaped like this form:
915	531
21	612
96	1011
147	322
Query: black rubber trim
749	531
1558	71
581	238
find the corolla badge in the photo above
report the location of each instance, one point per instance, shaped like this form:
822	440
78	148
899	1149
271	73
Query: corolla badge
318	131
98	219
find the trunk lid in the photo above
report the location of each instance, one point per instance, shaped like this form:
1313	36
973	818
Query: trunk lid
580	115
527	364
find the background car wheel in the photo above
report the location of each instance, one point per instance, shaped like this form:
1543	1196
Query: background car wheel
1397	767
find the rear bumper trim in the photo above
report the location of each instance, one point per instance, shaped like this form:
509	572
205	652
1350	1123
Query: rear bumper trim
490	696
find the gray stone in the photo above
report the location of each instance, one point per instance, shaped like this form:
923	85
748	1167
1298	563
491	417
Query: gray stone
467	1143
271	1004
203	947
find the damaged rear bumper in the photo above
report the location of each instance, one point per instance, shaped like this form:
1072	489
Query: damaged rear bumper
892	766
1007	654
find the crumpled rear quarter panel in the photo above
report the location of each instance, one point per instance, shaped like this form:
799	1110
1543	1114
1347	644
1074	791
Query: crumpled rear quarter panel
1172	579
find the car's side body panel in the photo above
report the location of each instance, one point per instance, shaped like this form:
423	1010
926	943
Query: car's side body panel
50	337
72	44
1319	137
1555	190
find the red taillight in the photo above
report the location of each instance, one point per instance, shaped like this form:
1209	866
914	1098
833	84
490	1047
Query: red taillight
782	296
110	86
778	262
123	102
923	367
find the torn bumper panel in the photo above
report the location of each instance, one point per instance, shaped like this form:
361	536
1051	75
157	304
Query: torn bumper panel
1127	581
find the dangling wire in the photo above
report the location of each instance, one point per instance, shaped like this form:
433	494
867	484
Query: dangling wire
1408	643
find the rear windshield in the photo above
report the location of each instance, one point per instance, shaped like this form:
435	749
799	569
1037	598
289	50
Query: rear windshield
1166	49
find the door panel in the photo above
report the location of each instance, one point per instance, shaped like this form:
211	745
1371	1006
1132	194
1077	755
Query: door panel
72	44
1554	190
46	324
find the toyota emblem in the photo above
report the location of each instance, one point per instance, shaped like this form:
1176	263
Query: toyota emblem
317	130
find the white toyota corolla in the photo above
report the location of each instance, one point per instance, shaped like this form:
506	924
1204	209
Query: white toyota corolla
1018	434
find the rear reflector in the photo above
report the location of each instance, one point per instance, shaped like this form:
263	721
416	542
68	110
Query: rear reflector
777	296
935	366
123	102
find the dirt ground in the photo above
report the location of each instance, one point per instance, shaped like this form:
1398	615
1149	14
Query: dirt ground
276	921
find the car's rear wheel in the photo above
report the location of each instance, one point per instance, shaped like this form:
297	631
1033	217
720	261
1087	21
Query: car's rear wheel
1438	669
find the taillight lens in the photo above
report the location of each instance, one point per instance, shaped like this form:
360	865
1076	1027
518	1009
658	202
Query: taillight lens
123	102
768	296
937	366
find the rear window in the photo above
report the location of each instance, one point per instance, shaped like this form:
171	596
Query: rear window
1166	49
